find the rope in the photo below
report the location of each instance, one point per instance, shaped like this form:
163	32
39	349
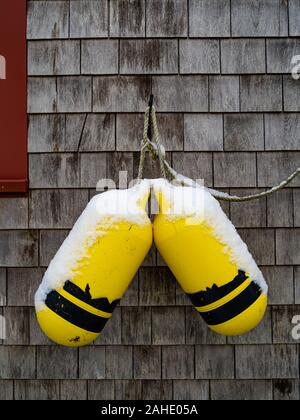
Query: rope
167	171
144	144
187	182
157	142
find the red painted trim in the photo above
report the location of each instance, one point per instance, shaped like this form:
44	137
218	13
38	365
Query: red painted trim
13	98
13	186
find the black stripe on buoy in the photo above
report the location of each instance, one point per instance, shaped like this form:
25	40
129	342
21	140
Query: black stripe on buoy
215	293
233	308
102	303
73	314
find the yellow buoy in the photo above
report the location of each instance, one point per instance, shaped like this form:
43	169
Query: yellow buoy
94	266
209	259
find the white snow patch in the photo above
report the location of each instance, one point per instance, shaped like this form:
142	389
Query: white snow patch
102	212
201	206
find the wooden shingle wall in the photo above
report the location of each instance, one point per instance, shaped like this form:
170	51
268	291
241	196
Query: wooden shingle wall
229	113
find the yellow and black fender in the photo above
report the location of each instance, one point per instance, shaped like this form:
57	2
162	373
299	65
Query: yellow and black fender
94	266
209	259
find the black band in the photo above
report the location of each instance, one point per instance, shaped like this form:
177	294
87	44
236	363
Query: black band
215	293
74	314
234	307
101	303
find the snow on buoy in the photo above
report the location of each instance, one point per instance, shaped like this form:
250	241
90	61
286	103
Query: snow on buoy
94	266
209	259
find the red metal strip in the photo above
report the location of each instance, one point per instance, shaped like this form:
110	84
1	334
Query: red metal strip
13	97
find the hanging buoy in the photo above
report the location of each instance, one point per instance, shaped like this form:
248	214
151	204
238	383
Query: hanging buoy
209	259
94	266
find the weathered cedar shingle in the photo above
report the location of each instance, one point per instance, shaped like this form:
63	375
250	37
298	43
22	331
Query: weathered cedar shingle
119	362
241	390
111	334
287	246
136	325
248	214
186	390
178	362
18	248
280	209
73	390
50	242
17	362
53	170
147	362
267	362
13	213
166	19
274	167
98	134
280	53
6	390
294	17
148	56
128	390
282	131
93	168
131	296
99	56
282	325
36	390
234	170
74	94
291	94
127	18
197	332
181	94
168	325
22	284
280	281
101	390
92	362
254	18
47	133
243	56
296	198
47	58
17	326
261	93
199	56
48	19
157	286
157	390
209	18
88	19
56	362
224	94
286	389
243	132
74	128
203	132
214	362
3	287
56	208
130	127
120	94
194	165
42	95
261	244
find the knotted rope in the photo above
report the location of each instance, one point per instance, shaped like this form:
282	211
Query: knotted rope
156	150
